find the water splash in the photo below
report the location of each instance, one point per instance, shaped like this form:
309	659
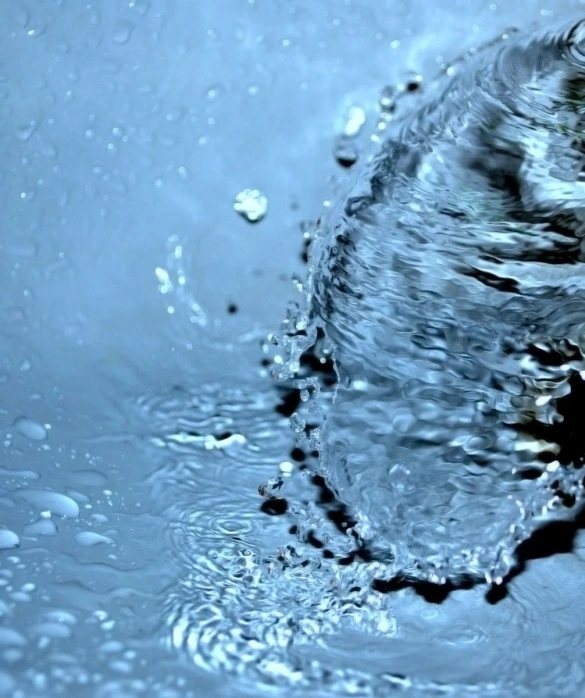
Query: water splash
447	279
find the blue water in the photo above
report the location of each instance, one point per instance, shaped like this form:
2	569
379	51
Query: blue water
448	281
199	499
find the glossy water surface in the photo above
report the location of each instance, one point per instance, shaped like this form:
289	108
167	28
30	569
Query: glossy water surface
163	530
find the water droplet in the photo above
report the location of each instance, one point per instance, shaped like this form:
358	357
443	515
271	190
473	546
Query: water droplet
29	429
297	423
36	31
356	118
89	539
122	33
251	204
214	92
28	195
345	152
10	637
8	540
55	630
56	503
42	527
140	6
26	130
22	17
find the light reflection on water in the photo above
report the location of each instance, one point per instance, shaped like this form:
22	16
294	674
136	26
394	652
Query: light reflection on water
301	599
191	550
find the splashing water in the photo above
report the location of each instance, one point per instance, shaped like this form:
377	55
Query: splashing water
442	285
448	281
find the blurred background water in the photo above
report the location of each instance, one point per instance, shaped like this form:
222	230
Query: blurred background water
161	532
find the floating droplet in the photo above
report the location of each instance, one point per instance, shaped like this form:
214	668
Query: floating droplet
345	152
251	204
356	118
29	429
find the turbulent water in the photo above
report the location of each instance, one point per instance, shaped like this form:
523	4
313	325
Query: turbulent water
437	372
163	530
449	281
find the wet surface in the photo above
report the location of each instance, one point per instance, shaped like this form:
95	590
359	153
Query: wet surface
162	532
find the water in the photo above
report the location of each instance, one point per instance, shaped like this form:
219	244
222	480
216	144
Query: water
448	280
431	446
163	530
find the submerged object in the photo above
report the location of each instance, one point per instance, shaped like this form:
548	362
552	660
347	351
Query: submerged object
449	281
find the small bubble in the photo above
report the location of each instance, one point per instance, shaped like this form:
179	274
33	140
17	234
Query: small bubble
214	92
251	204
